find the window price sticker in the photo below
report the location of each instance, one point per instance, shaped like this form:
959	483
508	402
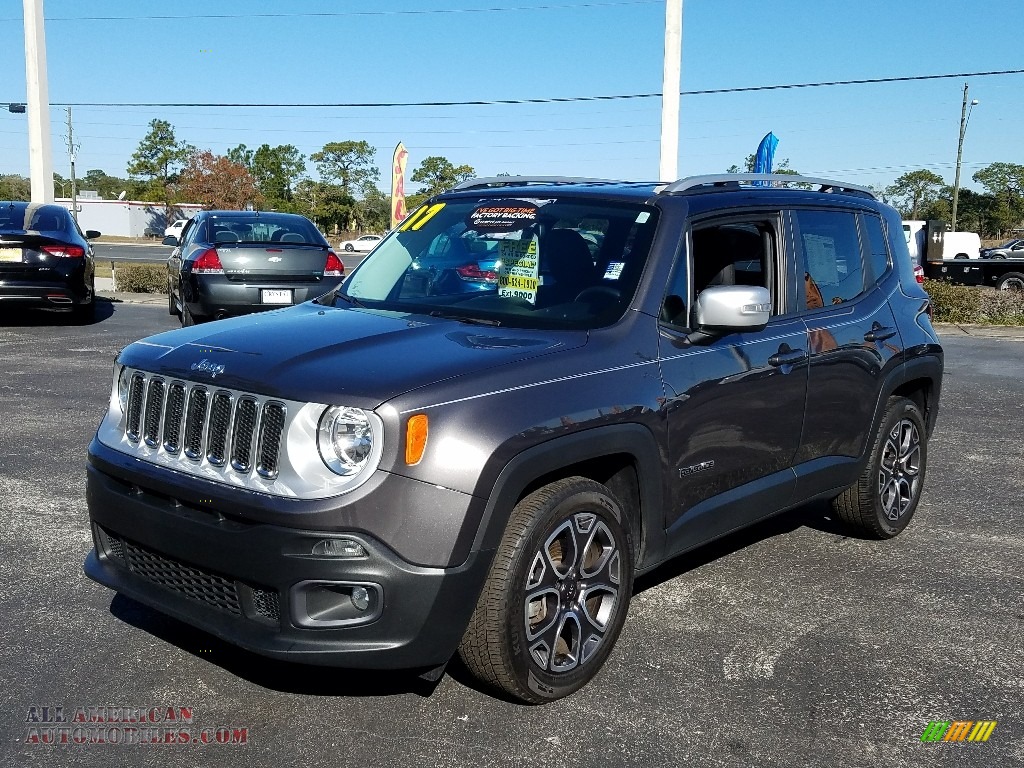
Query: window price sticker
519	275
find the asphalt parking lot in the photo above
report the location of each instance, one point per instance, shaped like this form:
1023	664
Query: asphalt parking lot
790	644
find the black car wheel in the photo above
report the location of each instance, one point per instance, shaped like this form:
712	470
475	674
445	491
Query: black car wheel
187	318
557	594
172	307
1011	281
349	248
882	502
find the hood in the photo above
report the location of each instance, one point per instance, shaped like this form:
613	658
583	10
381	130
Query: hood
349	356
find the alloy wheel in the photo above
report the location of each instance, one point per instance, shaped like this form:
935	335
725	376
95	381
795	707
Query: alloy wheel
899	472
571	592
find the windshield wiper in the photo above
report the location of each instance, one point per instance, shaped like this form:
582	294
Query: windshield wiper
346	297
464	318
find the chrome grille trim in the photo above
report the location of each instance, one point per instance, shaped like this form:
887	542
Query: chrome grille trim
136	393
154	409
246	418
173	414
272	420
237	432
219	429
195	422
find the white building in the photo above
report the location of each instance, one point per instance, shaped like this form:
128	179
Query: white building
125	218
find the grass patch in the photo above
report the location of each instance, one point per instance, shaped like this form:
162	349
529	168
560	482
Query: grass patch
974	305
140	278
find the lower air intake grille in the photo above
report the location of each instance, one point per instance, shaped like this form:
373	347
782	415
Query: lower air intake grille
194	583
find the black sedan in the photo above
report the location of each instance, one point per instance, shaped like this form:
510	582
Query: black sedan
230	263
46	260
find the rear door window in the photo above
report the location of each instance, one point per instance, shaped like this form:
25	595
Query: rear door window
830	255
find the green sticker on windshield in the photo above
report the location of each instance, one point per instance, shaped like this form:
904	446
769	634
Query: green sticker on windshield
519	273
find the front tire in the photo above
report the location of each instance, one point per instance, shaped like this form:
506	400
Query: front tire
556	596
349	247
882	502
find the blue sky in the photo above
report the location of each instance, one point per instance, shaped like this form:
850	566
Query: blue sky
456	50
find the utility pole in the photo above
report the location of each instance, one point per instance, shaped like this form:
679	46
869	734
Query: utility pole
72	149
965	116
668	166
40	152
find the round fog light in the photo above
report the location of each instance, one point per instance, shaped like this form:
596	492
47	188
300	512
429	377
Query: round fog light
360	598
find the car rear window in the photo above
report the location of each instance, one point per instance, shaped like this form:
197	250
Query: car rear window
33	218
263	229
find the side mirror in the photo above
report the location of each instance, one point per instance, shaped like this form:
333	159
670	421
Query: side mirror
92	234
171	240
725	309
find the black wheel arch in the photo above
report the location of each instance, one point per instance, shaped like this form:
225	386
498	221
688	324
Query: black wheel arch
623	457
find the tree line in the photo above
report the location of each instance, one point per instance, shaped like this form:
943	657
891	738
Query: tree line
924	194
993	213
345	197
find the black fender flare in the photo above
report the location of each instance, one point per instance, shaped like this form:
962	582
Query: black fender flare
550	456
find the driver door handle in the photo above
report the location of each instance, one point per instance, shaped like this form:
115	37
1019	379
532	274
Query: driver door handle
879	333
787	356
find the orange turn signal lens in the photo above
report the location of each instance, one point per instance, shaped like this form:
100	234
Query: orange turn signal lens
415	438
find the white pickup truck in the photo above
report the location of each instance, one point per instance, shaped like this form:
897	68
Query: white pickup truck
955	245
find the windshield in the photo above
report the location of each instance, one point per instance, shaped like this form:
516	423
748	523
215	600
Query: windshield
524	262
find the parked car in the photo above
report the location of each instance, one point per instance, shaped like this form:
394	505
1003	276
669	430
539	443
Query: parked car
361	244
1012	249
174	230
236	262
388	476
46	260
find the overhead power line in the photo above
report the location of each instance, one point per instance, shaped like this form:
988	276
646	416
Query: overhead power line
335	14
548	100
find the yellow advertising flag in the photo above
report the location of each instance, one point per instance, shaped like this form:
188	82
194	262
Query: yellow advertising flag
398	211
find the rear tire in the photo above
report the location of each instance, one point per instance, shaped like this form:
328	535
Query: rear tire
882	502
172	307
1011	281
187	318
556	596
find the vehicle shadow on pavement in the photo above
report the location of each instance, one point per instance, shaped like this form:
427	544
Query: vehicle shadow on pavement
305	679
283	676
817	516
25	317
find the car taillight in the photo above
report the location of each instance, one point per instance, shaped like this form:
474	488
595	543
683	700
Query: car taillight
919	274
334	266
473	273
208	263
64	251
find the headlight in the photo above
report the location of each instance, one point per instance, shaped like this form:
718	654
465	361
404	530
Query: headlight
345	439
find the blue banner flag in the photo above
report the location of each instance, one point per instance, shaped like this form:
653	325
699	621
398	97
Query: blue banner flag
765	155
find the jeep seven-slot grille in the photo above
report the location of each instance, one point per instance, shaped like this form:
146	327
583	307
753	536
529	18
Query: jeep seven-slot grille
221	427
191	581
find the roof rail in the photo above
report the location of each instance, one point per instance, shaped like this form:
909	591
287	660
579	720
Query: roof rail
772	179
522	181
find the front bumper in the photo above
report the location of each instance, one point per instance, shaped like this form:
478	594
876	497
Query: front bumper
249	583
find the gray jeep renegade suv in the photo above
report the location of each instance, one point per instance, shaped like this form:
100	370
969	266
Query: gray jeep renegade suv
530	392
